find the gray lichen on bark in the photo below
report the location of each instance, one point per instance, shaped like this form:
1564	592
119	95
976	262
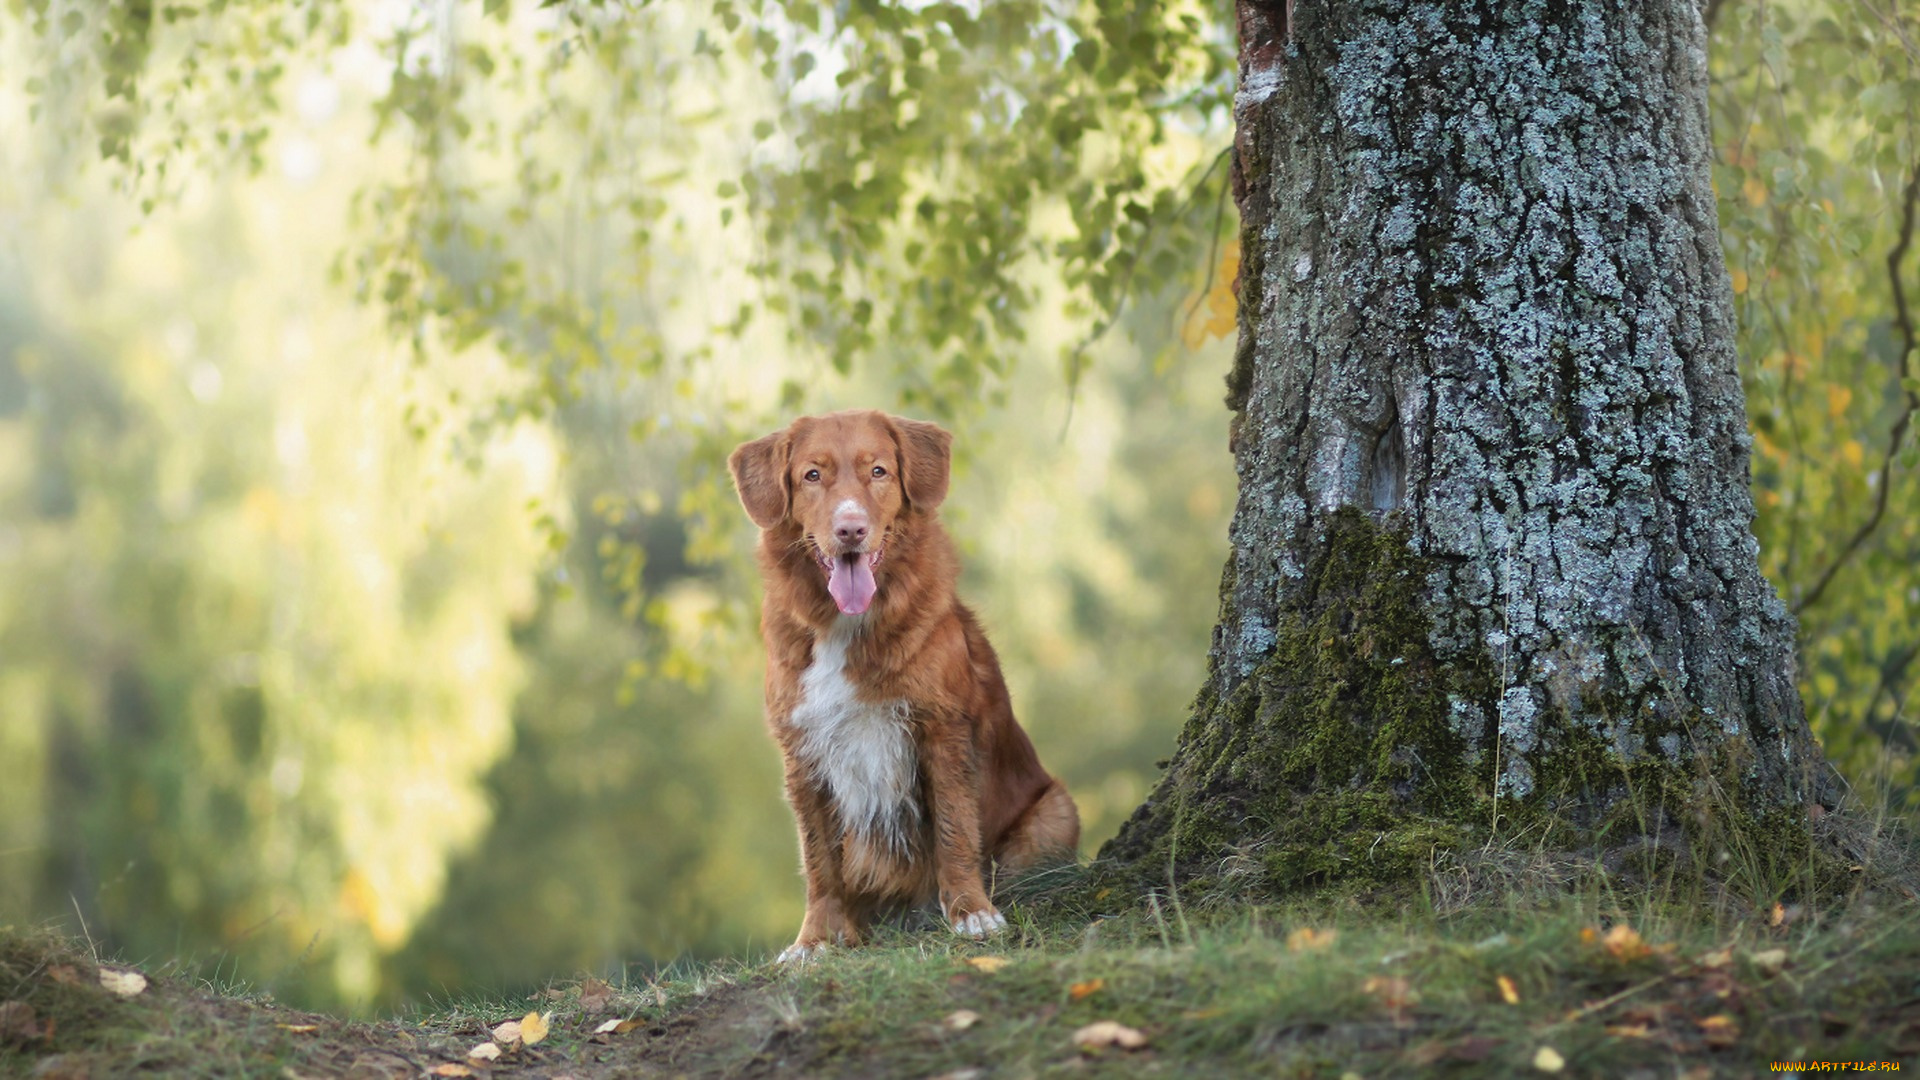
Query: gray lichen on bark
1482	297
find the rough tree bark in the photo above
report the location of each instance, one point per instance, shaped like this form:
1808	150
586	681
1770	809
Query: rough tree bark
1493	556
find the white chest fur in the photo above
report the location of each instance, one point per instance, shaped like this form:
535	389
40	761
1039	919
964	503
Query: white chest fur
862	749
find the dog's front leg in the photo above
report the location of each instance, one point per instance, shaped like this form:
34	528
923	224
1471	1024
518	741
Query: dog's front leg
954	780
827	920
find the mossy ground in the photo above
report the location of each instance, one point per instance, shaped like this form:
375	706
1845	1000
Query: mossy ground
1338	982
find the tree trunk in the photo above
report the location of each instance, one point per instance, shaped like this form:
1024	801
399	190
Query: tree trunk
1493	560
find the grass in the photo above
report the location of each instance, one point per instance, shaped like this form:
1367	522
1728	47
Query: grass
1529	971
1325	992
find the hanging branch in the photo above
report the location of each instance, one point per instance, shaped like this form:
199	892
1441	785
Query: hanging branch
1903	320
1892	671
1074	359
1213	248
1133	259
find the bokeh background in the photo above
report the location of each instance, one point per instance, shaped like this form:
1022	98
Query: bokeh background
376	621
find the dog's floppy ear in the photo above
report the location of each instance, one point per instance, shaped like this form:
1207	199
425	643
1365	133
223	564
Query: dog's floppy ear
760	476
926	460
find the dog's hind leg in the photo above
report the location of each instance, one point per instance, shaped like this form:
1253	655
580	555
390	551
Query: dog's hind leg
1049	832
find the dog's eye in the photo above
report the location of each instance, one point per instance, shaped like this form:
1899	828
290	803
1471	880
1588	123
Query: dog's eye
879	470
813	476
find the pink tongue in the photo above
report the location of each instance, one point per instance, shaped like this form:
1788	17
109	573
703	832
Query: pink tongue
851	583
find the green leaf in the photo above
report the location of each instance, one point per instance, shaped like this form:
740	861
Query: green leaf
1882	99
1087	54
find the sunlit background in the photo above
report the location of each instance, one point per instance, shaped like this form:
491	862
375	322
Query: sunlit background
369	634
317	669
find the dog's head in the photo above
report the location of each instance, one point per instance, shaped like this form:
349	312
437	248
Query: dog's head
844	480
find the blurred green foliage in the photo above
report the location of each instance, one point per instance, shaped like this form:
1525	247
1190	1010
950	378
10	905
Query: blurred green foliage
375	612
1816	111
251	625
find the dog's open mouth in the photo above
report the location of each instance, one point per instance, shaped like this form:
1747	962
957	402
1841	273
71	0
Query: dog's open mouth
850	579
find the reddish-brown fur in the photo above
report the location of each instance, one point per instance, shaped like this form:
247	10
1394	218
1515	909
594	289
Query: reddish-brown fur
978	785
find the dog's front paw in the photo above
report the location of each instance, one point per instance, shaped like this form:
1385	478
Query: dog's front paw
981	923
801	951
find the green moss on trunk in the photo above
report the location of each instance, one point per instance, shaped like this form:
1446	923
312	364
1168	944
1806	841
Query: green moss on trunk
1338	757
1352	753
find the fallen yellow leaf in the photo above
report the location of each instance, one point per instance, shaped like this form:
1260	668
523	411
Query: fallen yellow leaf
1588	935
486	1051
1769	960
1103	1033
508	1033
1627	1031
1721	1030
1625	943
1307	939
1084	989
124	983
1718	958
299	1029
1392	991
450	1069
960	1020
533	1027
1778	915
987	964
1509	993
1548	1060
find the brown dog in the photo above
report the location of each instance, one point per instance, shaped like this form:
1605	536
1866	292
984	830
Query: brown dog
905	766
